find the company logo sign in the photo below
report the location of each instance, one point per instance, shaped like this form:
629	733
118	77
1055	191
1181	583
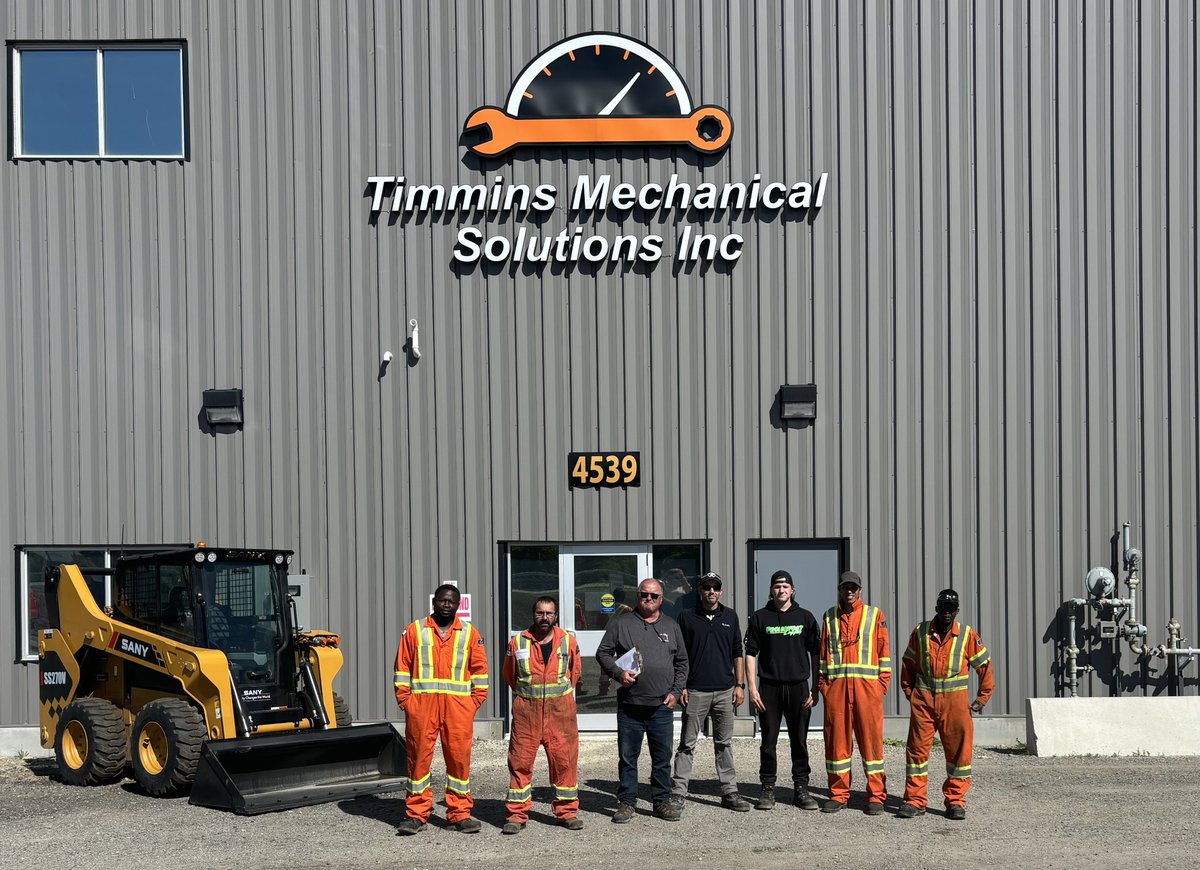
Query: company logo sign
598	89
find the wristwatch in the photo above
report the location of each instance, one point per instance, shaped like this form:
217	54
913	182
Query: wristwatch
740	686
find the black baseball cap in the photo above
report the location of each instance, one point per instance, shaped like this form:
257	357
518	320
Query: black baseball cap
947	601
782	576
712	578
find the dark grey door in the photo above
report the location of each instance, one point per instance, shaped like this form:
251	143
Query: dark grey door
814	564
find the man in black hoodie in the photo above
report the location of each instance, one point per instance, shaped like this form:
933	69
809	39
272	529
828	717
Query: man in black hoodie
782	646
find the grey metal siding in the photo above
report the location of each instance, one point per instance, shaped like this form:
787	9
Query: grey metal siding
997	302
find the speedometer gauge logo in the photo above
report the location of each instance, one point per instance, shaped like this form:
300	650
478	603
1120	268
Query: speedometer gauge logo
598	89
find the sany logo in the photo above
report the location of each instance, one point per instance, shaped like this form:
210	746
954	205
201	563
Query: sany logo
54	678
134	647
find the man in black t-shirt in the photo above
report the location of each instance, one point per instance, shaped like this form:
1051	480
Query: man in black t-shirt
782	646
715	687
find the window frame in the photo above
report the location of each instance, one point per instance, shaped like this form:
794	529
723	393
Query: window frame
16	132
26	646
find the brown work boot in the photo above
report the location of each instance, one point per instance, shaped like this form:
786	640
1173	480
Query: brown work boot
909	811
623	815
408	827
668	811
874	808
512	828
956	813
572	824
831	806
467	826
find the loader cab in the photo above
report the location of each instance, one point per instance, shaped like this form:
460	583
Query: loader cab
234	601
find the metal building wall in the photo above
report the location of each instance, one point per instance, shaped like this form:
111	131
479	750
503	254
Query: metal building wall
997	302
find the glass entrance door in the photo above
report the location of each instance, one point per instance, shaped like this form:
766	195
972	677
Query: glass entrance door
600	583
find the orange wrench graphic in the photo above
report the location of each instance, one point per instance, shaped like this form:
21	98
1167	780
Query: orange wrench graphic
706	129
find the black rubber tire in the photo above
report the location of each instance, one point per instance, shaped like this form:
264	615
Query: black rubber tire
341	712
182	730
104	758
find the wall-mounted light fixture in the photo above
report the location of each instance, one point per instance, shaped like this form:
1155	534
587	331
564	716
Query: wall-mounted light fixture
798	403
223	407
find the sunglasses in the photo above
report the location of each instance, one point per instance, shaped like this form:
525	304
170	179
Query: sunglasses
653	596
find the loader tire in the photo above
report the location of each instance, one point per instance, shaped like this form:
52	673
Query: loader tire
90	742
164	746
341	712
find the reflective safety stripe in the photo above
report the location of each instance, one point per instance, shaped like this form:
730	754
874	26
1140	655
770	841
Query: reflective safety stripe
416	786
458	786
980	658
954	679
840	765
401	679
527	686
870	767
426	681
519	795
963	772
862	669
917	769
565	793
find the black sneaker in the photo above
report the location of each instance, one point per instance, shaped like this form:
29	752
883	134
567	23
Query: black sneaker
831	806
735	802
408	827
766	798
804	800
909	811
623	815
667	811
956	813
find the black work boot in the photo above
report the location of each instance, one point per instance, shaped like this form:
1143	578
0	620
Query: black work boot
804	800
766	798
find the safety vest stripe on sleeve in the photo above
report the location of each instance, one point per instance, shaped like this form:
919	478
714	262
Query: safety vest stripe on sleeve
963	772
401	679
566	793
479	681
981	658
416	786
458	786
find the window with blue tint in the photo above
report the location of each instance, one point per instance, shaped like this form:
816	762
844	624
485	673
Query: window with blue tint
99	100
59	109
143	112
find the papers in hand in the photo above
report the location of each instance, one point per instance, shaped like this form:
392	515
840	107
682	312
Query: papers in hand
631	661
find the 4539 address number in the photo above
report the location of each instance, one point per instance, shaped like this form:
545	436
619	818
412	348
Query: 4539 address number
604	469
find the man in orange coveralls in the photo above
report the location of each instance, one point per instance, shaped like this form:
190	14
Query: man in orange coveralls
855	671
542	667
441	680
934	677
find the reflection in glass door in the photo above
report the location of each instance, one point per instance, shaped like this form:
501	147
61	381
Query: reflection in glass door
601	583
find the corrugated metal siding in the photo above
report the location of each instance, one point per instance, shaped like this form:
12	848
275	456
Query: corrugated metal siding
997	303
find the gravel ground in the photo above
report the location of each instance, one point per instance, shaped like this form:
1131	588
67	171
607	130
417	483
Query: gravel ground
1022	811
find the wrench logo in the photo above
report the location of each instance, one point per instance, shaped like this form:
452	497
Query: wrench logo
597	89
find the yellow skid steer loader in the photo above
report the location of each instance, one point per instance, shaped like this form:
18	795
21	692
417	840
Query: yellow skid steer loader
197	678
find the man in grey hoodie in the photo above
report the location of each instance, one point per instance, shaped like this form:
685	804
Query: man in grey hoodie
646	699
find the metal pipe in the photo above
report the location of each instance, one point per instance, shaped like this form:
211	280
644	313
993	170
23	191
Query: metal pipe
1073	668
1125	543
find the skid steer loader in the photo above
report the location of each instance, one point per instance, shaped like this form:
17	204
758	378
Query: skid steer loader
197	677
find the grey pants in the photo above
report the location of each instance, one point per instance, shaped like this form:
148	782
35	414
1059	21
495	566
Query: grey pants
701	705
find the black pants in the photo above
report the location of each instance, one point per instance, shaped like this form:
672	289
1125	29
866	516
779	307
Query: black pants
784	702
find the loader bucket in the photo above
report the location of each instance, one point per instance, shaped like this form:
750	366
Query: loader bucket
249	775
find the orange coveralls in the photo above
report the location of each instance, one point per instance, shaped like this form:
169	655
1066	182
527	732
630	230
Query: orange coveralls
855	670
543	714
934	677
440	683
